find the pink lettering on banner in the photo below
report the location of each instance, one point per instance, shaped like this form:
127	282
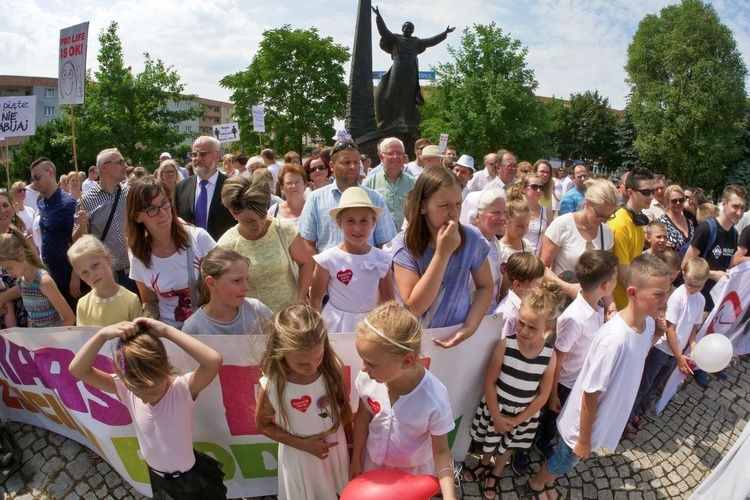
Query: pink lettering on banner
112	412
18	363
53	371
238	394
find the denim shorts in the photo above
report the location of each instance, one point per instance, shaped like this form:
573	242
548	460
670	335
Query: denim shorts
563	460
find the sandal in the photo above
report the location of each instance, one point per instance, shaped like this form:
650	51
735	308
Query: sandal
494	489
552	488
630	432
477	472
536	494
638	422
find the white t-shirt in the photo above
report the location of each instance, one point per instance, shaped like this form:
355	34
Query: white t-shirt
494	183
613	366
563	232
87	184
164	430
509	307
400	437
576	328
684	311
168	277
413	169
275	168
567	184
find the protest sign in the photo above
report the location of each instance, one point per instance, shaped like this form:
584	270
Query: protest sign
443	143
38	389
72	63
227	132
17	116
259	119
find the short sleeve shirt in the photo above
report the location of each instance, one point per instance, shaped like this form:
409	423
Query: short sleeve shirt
252	318
564	233
576	328
629	240
571	201
98	205
454	296
684	311
394	193
719	257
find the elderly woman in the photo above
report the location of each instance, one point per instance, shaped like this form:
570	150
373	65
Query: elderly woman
318	172
168	174
292	183
26	213
164	252
274	247
679	228
74	185
569	235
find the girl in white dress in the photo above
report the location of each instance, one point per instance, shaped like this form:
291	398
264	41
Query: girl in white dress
355	275
302	404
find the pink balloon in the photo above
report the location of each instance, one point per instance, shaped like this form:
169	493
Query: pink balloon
381	484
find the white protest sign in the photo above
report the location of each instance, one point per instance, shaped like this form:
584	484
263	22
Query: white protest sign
443	142
259	119
17	116
227	132
72	65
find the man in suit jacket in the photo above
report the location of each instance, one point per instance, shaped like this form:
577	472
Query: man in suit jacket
205	188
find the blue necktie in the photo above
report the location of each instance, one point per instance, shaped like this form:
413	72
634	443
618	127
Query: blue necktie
201	206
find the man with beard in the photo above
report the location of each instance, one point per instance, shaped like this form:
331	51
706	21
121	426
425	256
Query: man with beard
198	198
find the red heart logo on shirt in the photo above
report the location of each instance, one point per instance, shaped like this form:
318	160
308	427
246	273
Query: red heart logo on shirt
345	276
302	404
374	405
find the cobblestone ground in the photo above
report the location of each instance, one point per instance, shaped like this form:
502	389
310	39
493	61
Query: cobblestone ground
667	459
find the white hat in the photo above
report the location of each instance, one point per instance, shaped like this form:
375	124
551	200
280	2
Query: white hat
355	197
466	161
431	151
165	155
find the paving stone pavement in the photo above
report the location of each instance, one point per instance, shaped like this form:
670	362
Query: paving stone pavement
667	459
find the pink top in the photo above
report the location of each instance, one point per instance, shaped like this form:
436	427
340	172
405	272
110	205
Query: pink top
164	430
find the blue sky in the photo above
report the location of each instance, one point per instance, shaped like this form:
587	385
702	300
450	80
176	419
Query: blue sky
573	45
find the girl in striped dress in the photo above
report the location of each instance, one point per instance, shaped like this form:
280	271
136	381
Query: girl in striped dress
516	387
43	301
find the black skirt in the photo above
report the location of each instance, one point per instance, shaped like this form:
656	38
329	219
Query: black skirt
205	480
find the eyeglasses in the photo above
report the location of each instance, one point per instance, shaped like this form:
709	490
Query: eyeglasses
120	162
645	192
36	177
318	168
600	216
169	172
293	184
202	154
534	187
677	201
340	146
154	211
393	154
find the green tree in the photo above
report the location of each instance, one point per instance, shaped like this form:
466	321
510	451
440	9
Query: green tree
52	140
298	77
629	157
688	93
485	99
586	129
739	172
131	111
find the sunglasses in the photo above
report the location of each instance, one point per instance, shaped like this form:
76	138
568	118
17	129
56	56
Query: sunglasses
600	216
534	187
318	168
645	192
36	177
154	211
202	154
677	201
340	146
21	190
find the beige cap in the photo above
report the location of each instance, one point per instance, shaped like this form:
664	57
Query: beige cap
431	151
355	197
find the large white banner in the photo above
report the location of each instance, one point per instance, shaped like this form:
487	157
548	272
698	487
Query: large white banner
730	317
17	116
72	63
38	389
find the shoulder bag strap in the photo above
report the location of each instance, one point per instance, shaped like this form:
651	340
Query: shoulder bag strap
112	212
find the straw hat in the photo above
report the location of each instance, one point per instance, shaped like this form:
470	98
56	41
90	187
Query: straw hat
431	152
355	197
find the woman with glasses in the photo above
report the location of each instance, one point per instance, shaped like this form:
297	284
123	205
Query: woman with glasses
281	268
164	252
318	172
26	213
541	216
292	184
569	235
679	228
168	174
543	169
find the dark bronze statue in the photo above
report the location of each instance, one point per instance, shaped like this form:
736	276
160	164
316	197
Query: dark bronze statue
398	92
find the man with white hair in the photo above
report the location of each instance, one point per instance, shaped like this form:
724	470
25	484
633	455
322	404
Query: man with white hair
392	182
198	198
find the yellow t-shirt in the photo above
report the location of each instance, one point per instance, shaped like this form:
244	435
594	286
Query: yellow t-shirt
93	311
629	240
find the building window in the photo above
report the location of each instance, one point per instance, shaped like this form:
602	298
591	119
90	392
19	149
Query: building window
49	93
49	111
188	128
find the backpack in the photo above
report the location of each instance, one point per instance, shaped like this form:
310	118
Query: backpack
712	224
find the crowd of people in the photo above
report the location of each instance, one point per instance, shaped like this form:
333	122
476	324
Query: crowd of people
596	279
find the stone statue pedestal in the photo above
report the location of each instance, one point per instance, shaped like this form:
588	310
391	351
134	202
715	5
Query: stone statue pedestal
368	143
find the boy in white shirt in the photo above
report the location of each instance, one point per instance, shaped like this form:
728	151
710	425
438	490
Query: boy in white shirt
599	404
596	271
524	271
684	317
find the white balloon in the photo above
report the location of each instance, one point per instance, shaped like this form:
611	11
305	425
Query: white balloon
713	353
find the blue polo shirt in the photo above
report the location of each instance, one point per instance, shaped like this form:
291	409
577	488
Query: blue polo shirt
571	201
56	223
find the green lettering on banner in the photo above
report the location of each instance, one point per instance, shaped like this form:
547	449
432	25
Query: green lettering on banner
221	455
250	459
127	449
